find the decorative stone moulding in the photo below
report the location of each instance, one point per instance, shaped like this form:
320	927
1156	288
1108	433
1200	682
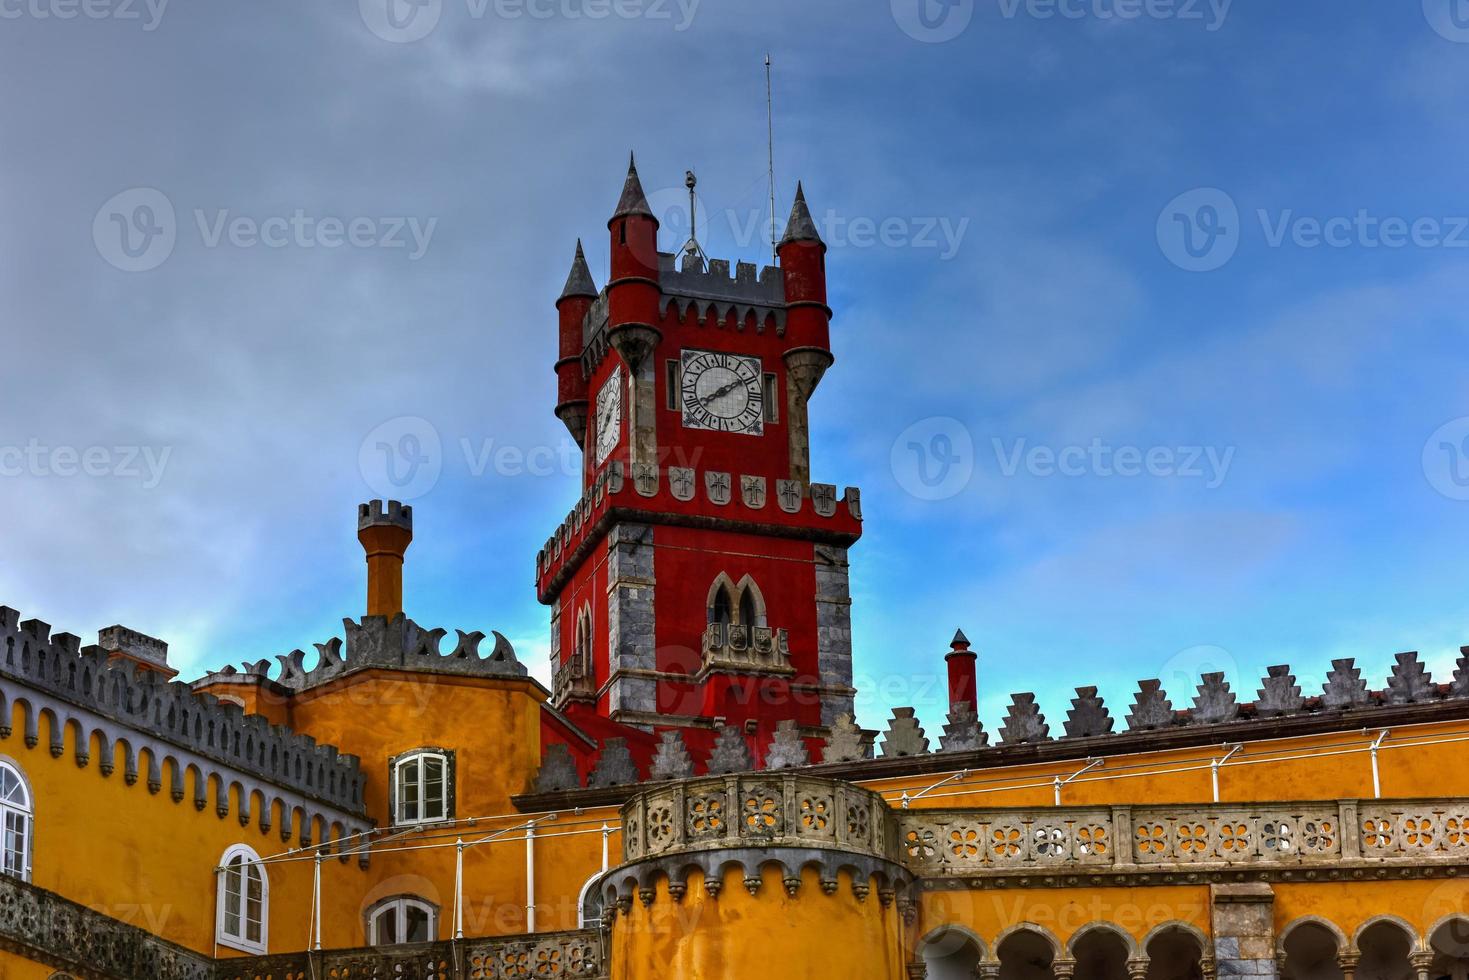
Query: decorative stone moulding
1344	840
396	644
136	708
753	298
552	955
749	822
746	648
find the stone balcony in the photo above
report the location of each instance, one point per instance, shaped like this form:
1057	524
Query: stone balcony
745	649
553	956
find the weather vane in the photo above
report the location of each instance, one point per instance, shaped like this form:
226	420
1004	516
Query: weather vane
691	248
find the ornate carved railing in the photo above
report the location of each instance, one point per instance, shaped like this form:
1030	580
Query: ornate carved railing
44	927
1300	840
728	647
552	956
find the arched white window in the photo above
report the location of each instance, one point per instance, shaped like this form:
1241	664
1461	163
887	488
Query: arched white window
404	919
423	786
242	905
18	819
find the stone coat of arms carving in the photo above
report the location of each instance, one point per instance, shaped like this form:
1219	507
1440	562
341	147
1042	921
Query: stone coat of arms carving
824	499
788	494
645	479
718	487
681	482
752	491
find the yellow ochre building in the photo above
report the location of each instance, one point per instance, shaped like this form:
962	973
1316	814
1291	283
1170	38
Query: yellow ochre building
691	798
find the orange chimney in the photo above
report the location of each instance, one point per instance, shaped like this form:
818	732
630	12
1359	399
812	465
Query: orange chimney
385	533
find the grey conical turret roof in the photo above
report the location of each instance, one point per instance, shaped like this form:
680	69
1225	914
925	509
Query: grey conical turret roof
800	228
633	201
579	282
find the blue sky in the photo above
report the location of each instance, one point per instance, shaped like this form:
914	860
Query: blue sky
1233	234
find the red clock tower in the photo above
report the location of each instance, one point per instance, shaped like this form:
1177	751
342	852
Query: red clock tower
702	578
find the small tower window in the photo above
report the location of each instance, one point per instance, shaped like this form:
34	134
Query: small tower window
242	901
748	615
772	399
404	919
722	611
423	787
674	380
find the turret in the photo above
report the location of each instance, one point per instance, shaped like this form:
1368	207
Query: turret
572	308
633	291
808	332
963	678
385	533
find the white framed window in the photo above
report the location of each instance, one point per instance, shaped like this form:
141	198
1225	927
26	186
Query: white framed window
17	821
242	905
403	919
423	786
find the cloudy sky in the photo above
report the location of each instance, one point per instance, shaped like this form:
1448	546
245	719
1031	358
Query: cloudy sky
1150	316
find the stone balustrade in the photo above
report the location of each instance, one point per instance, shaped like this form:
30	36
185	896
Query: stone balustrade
1285	841
547	955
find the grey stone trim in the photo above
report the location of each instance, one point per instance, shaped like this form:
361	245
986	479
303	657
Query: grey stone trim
1088	716
170	712
834	630
788	749
731	753
1345	687
672	760
1243	920
846	742
1279	695
169	765
904	736
576	954
43	927
753	296
375	514
614	766
630	617
1024	722
376	642
963	732
558	771
1410	683
1151	708
1215	703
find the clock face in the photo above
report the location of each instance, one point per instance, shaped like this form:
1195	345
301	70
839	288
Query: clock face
723	392
609	416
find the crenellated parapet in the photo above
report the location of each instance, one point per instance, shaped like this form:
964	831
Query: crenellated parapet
689	497
376	642
134	706
754	298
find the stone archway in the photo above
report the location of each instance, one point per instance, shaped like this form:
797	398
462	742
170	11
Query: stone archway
1385	949
1449	944
1312	951
1175	953
1026	953
1101	954
951	953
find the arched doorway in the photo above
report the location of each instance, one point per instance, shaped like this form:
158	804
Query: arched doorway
1175	954
1449	943
1385	948
951	954
1101	954
1026	954
1312	952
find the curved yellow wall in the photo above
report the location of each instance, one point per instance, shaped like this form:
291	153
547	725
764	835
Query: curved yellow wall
743	937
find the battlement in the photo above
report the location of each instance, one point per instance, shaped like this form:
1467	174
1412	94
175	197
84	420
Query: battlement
376	514
749	283
121	691
1345	704
376	642
678	494
120	639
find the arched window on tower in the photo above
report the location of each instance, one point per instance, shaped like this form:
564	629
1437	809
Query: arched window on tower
581	657
721	610
16	817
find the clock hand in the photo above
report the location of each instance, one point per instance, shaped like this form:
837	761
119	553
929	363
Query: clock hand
721	392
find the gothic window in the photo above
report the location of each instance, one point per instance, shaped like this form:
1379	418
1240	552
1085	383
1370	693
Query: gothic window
18	819
422	784
402	919
242	901
721	611
581	657
747	608
736	605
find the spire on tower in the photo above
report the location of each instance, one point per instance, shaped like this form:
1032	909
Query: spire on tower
633	201
579	282
801	227
960	640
